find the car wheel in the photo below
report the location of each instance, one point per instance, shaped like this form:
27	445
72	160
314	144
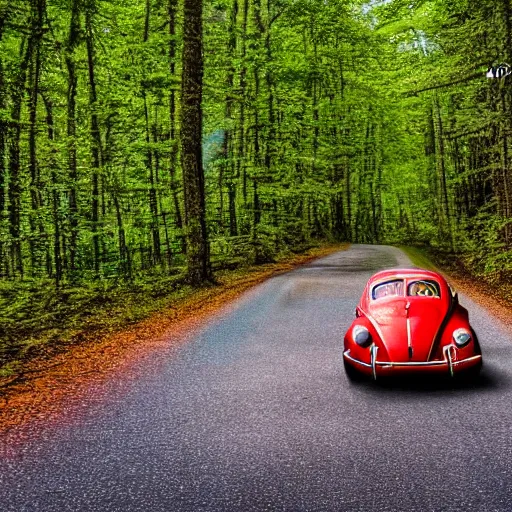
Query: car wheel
470	375
352	374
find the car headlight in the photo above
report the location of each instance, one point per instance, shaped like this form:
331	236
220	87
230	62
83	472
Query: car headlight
461	337
361	336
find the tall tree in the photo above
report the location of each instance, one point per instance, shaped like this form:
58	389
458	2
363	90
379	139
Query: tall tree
198	257
72	79
90	11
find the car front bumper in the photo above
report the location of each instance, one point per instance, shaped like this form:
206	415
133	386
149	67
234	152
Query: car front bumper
450	365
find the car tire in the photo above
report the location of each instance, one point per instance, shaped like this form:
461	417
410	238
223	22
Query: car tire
352	374
474	372
470	375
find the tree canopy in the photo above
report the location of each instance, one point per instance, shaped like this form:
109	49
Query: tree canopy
138	135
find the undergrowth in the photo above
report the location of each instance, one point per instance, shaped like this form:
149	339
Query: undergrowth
38	320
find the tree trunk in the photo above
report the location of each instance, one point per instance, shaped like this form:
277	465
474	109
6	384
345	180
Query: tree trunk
14	158
241	167
198	258
441	166
271	135
233	228
95	136
4	264
36	226
72	43
228	136
55	194
506	128
124	253
172	6
153	203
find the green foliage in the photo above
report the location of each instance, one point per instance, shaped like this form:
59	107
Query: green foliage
346	120
35	319
284	139
419	257
452	149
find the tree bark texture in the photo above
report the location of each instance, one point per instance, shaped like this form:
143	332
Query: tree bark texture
198	258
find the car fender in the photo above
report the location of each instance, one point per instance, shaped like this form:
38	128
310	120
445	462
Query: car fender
363	353
459	319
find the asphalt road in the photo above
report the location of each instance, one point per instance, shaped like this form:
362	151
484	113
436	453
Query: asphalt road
255	413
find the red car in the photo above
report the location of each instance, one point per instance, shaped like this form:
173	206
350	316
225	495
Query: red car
410	321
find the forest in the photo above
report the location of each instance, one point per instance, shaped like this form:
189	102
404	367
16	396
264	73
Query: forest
144	137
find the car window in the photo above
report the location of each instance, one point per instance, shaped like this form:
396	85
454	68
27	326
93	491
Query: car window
423	289
388	289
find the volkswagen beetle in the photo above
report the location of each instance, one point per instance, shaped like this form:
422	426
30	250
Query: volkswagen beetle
410	320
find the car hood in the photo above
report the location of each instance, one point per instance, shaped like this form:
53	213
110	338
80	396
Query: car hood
390	319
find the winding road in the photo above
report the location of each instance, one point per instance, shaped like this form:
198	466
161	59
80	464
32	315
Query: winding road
255	413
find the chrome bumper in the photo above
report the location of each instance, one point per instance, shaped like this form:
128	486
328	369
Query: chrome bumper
449	362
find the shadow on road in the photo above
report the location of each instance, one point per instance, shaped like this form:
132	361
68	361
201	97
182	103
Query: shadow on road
490	379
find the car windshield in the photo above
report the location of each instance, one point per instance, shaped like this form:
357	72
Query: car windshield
388	289
423	289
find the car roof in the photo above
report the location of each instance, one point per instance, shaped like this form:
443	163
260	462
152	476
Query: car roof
405	273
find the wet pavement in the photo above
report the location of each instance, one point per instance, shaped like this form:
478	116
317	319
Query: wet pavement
255	413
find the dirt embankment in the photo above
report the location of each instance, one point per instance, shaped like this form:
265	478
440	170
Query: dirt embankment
46	384
485	295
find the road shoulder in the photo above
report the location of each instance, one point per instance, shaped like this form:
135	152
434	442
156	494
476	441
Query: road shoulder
48	385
